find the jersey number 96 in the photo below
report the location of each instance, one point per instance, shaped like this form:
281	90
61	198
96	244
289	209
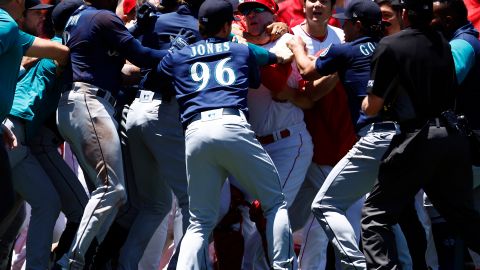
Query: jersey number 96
224	75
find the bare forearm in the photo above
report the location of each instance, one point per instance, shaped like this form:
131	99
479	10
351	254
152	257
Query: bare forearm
131	74
372	104
43	48
305	65
321	87
28	62
297	97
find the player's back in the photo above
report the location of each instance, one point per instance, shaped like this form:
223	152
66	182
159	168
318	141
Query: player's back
93	37
168	25
212	73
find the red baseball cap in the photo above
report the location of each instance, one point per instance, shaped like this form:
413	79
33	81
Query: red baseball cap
270	4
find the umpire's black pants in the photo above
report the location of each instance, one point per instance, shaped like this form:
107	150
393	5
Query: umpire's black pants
433	159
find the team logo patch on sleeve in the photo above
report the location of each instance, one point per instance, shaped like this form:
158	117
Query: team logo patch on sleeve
370	83
325	51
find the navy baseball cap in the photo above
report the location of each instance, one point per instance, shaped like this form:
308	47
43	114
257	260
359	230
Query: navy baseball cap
36	4
214	12
62	12
365	11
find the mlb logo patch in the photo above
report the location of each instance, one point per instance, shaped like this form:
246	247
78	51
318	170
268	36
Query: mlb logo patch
325	51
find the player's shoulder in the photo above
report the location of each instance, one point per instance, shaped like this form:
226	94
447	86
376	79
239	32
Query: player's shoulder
334	50
8	25
236	47
103	17
297	29
284	38
106	12
281	42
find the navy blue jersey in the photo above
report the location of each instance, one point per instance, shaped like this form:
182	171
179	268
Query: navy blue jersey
210	74
168	25
352	62
99	44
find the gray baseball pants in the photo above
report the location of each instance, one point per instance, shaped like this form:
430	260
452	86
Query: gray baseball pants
157	148
33	184
86	122
219	147
72	195
351	178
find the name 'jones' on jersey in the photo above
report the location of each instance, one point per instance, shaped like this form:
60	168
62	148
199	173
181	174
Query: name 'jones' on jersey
209	48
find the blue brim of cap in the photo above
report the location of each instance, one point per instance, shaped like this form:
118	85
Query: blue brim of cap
41	6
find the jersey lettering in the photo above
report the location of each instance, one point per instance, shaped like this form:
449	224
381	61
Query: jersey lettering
202	75
367	48
65	37
209	48
72	21
224	75
370	83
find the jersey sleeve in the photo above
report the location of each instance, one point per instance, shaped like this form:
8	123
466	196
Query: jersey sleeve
166	65
25	40
254	72
157	77
112	28
463	57
383	72
115	33
330	60
262	55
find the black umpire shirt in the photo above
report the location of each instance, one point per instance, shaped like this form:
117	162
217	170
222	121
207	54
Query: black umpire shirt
413	71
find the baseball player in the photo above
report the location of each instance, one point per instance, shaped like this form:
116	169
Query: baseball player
275	118
99	44
218	140
16	44
355	173
157	140
34	102
157	144
328	122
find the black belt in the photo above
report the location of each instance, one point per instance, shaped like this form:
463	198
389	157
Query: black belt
106	95
99	92
412	125
225	111
384	126
270	138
